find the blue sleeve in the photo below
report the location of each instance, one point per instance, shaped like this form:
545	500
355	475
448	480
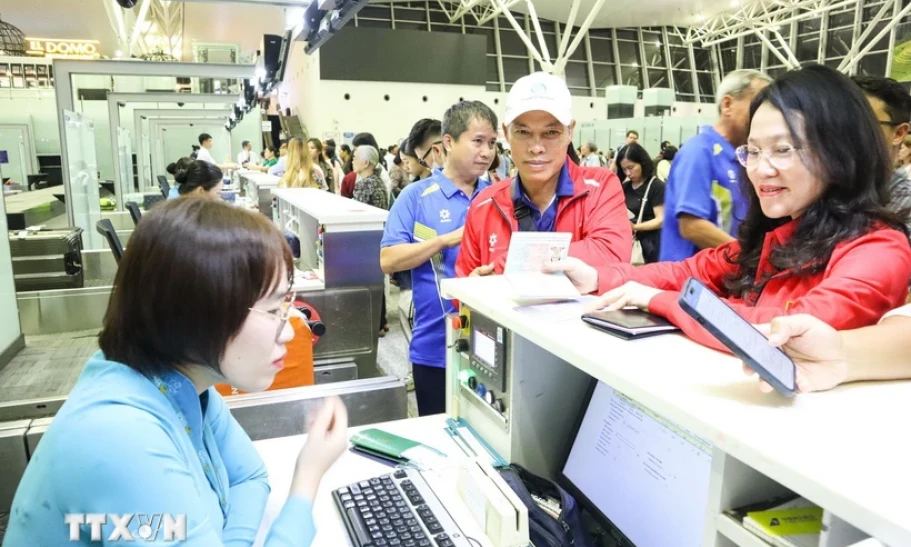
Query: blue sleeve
146	473
249	487
400	223
691	176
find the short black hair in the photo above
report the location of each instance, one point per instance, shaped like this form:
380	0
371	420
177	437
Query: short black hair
637	154
890	92
244	144
203	137
364	138
185	285
425	130
460	115
345	148
632	132
669	152
406	149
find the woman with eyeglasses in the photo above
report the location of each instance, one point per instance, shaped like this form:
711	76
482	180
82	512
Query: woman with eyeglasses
817	238
143	431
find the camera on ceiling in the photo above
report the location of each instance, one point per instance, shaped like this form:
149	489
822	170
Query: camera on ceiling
127	3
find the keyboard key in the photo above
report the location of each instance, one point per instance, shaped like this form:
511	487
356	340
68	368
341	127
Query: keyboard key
345	497
401	529
359	529
446	543
400	474
381	543
412	522
376	535
394	542
367	515
384	521
364	484
374	481
434	528
416	500
398	522
355	489
348	505
409	543
423	543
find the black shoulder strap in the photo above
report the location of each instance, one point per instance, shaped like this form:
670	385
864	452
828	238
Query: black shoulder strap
521	210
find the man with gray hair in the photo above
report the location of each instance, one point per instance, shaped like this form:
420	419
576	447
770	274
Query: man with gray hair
590	155
702	201
424	231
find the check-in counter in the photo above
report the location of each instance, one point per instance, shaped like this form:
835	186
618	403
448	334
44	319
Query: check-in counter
257	186
339	274
844	450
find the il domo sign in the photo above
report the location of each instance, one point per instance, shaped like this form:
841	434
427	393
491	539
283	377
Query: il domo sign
63	49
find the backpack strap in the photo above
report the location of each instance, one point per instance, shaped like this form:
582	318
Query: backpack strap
521	210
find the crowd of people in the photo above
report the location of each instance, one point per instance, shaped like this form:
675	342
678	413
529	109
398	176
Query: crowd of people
793	207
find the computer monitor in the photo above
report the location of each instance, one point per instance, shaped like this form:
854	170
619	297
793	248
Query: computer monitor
644	477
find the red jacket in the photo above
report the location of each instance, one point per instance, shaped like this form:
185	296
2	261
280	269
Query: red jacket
595	215
348	183
865	278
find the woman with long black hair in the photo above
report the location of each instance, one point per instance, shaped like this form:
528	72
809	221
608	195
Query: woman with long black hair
817	239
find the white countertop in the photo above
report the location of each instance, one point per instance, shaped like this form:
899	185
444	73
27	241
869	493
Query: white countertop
329	208
848	450
259	178
280	455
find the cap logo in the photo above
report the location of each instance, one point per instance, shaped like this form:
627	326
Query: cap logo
539	89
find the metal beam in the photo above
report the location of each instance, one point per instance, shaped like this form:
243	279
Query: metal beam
152	115
761	15
63	92
155	127
787	49
856	46
583	30
887	29
114	101
771	47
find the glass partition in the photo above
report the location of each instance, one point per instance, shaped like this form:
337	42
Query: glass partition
83	176
125	150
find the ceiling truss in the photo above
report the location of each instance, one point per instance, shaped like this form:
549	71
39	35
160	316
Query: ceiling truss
153	26
533	38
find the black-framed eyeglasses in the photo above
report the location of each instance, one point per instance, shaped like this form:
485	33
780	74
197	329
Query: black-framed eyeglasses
427	153
282	313
889	123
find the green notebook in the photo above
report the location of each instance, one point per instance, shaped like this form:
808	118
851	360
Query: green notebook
386	445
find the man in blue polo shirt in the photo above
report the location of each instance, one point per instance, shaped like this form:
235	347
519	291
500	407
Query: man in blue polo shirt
703	205
424	230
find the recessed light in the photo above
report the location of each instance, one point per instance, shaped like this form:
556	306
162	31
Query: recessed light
701	17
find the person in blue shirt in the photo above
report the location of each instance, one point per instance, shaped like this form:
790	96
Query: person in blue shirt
143	432
424	230
702	202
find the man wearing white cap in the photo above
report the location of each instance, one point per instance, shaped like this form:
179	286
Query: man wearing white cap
550	192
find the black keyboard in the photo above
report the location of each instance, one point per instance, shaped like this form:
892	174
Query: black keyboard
397	510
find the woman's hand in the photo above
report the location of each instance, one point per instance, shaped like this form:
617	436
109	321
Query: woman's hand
583	276
327	438
628	294
816	348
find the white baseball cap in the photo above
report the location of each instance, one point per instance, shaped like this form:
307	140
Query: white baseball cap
540	91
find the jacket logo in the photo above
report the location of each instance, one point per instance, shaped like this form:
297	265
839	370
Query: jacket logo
493	241
591	182
445	216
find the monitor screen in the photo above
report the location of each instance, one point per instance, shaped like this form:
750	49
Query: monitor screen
639	472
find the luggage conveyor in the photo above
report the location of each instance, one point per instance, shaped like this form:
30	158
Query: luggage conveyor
263	415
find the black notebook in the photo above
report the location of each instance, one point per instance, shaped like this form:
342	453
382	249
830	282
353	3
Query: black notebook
629	324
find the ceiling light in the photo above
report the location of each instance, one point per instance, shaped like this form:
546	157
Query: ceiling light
735	3
701	17
635	64
118	53
658	43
